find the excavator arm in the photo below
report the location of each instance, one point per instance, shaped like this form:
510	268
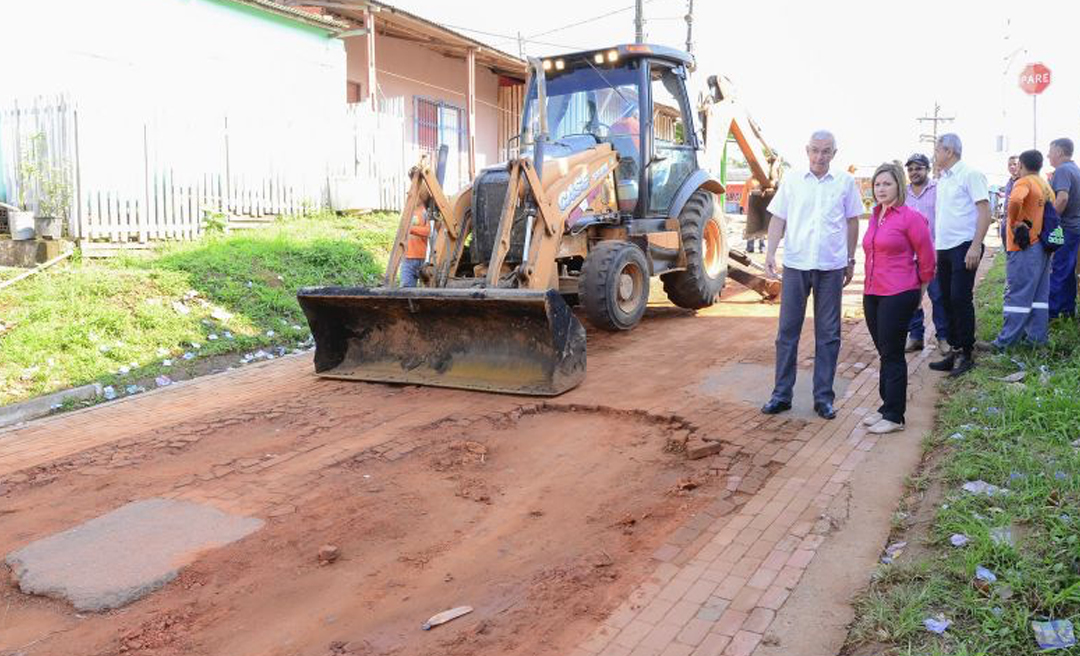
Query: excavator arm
722	115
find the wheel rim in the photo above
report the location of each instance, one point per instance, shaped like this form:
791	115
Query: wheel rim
628	291
713	257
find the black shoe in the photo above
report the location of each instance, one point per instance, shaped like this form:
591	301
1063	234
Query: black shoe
825	410
945	364
964	364
774	407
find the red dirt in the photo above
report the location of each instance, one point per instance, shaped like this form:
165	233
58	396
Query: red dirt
541	516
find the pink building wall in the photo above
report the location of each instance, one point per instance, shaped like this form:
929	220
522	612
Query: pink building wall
409	70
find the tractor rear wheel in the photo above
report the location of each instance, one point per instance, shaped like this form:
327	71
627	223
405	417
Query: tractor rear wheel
704	242
614	285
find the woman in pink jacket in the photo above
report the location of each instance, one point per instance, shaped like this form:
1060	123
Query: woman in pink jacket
899	265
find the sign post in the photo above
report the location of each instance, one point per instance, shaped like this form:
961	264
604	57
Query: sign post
1033	81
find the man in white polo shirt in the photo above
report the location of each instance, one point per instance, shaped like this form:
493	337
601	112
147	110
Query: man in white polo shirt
962	218
816	212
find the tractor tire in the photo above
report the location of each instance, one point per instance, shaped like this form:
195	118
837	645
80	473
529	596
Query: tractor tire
704	242
614	287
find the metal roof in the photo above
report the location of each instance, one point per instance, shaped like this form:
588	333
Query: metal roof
330	23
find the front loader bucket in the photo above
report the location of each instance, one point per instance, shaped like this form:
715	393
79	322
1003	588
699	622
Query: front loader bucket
497	340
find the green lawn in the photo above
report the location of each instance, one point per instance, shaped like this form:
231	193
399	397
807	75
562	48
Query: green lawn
1024	437
117	321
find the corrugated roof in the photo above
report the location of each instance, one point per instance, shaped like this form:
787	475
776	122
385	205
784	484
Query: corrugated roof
331	23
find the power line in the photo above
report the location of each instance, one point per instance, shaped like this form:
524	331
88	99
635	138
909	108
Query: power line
590	20
511	37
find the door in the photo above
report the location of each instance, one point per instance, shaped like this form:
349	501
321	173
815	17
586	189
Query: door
673	157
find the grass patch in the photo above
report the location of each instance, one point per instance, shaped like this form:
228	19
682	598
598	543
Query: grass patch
1015	436
118	321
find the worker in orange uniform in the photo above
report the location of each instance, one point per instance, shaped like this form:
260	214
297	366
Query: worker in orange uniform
416	246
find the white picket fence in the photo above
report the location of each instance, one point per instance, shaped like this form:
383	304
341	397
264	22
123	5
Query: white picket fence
137	176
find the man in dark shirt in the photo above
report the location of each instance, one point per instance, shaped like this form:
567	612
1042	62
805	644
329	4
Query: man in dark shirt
1066	186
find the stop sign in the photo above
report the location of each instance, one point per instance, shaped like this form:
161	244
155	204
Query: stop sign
1034	79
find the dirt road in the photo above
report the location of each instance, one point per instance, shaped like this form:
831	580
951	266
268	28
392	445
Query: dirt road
545	516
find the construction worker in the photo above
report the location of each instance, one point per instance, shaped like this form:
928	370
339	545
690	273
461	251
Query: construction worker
1027	264
416	246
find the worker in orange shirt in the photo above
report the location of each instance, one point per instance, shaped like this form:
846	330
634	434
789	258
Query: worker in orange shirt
1027	263
416	246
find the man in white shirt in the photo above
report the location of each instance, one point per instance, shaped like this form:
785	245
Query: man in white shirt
816	213
962	218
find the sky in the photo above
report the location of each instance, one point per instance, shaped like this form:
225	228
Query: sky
864	70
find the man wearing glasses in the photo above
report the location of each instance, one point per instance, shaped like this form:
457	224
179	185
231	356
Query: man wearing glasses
921	196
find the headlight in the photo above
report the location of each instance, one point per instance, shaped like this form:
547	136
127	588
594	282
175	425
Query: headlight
613	55
598	58
547	64
559	64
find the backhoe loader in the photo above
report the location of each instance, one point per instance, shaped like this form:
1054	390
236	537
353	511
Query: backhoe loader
611	185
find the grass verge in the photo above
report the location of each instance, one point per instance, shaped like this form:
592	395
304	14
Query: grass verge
124	321
1021	436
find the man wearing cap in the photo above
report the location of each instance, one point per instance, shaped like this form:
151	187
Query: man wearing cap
921	196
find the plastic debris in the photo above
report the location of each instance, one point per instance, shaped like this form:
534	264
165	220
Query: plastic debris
108	392
958	539
892	552
221	315
196	345
997	611
162	352
1016	476
134	389
212	337
956	436
1044	374
270	333
163	381
1054	634
124	369
993	410
1014	377
984	574
180	308
297	327
937	624
104	348
446	616
228	335
1002	535
166	363
982	487
1061	476
188	356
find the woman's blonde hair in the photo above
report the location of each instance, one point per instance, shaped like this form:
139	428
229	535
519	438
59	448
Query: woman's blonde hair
897	172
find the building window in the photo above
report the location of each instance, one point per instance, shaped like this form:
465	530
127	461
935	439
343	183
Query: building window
353	92
440	124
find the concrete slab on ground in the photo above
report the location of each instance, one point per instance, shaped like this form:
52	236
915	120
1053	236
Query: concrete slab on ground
126	554
753	383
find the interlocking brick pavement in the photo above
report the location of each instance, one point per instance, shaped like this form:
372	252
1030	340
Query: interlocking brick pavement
718	593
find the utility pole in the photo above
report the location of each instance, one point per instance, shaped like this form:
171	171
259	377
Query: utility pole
521	46
690	27
934	120
639	21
